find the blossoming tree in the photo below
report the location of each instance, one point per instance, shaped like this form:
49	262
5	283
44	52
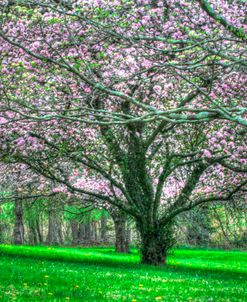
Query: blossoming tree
147	95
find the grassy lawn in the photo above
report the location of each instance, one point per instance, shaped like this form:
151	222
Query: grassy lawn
99	274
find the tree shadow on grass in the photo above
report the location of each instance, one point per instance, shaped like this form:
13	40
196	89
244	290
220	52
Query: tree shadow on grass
221	273
112	260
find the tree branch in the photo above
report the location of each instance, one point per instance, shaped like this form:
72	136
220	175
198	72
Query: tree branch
238	32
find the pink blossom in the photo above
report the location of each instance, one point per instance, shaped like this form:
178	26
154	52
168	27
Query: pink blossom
207	153
157	89
87	89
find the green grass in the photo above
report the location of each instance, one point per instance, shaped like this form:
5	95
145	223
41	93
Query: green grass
99	274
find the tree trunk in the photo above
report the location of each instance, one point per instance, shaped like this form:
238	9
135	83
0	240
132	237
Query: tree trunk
74	231
33	227
18	233
87	229
54	236
121	242
95	231
103	228
81	233
155	243
32	235
128	231
39	232
153	249
1	227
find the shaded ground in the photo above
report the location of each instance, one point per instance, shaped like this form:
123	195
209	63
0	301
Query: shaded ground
99	274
